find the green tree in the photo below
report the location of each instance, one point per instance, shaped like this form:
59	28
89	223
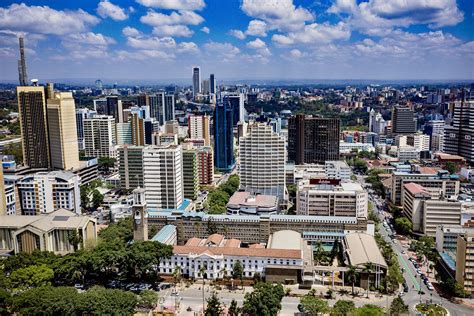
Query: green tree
319	253
5	301
369	268
451	167
100	301
352	276
234	309
46	300
403	225
313	306
343	308
121	231
238	271
360	165
97	198
370	310
398	307
32	276
264	300
75	239
105	163
85	201
147	299
214	306
394	276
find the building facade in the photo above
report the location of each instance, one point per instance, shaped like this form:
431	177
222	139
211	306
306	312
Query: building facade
199	128
163	176
262	161
99	136
130	161
459	137
313	139
224	158
190	174
403	121
205	161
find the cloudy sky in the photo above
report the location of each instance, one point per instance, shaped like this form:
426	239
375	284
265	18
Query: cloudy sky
240	39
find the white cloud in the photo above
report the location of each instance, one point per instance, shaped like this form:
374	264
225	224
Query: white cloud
150	43
174	4
296	53
256	44
315	34
225	51
278	14
257	28
172	30
183	17
205	29
143	55
89	38
187	47
237	34
130	31
107	9
379	17
44	20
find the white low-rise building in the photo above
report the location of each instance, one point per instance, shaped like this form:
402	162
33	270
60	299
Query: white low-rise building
345	147
249	204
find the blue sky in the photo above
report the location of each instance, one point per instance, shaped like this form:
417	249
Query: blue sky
247	39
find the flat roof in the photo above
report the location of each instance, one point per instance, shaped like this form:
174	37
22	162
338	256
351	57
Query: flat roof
248	199
285	239
164	233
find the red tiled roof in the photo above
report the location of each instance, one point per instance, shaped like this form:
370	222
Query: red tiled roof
415	188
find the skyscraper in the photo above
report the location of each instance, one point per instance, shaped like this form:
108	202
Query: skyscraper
262	161
199	128
212	84
403	121
238	110
3	197
190	174
22	74
196	81
168	108
130	161
34	126
459	138
62	136
81	115
114	108
99	135
138	130
156	102
313	139
224	159
205	159
163	176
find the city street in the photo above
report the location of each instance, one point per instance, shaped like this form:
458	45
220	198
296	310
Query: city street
412	278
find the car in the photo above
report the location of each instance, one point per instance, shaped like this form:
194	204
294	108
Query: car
403	252
405	287
430	287
175	293
418	271
79	286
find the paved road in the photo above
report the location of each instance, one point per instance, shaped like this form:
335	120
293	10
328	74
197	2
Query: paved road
412	278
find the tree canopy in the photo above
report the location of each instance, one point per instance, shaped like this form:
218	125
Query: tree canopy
264	300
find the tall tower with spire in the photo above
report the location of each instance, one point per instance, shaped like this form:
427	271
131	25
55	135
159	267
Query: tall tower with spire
22	74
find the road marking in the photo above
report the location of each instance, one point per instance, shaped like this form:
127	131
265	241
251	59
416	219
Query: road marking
407	269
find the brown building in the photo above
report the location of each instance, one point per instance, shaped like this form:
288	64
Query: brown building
205	161
34	126
313	139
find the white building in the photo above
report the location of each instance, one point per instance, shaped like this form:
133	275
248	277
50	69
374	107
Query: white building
46	192
349	147
99	136
437	142
124	133
163	176
321	199
81	115
337	169
249	204
199	128
262	161
406	153
282	258
420	142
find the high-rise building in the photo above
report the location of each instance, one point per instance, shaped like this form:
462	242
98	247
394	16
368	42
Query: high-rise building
114	108
190	174
196	81
420	142
99	136
151	126
224	159
313	139
403	121
156	102
124	133
172	127
262	161
464	262
212	84
237	104
163	176
130	161
34	126
138	130
22	73
205	87
459	137
81	115
143	100
3	197
199	128
205	160
45	192
168	108
62	138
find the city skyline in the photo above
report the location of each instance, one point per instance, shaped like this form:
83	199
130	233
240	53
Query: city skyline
253	40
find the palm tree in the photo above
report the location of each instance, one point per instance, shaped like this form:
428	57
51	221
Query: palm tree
319	252
352	276
176	275
369	269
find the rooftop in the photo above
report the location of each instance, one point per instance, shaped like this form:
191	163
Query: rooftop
285	239
234	251
415	188
247	199
361	248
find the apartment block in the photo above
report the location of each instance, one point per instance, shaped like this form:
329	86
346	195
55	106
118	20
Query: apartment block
99	136
130	161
